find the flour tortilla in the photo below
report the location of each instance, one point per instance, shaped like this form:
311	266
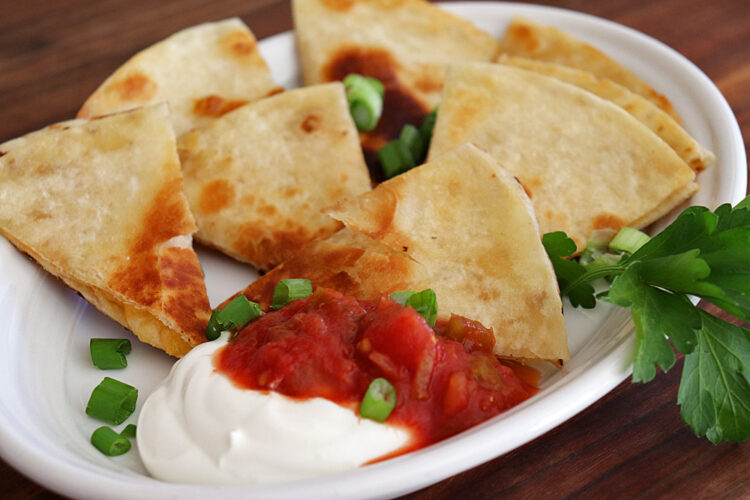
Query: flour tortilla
525	38
258	178
585	163
404	43
660	123
99	204
203	72
436	227
472	228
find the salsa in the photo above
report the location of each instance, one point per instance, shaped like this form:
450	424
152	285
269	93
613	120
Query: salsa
333	346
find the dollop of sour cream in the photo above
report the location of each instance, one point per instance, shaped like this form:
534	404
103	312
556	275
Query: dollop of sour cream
198	427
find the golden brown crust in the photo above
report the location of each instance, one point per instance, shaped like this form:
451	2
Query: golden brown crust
100	205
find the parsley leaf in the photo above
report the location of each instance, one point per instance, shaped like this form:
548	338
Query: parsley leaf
704	254
558	246
714	390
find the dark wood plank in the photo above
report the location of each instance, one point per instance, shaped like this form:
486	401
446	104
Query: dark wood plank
631	443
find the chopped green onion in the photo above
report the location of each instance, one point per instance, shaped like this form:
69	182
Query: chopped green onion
288	290
365	98
628	240
109	442
129	431
402	296
112	401
424	302
379	400
411	136
109	354
428	125
604	260
233	316
395	158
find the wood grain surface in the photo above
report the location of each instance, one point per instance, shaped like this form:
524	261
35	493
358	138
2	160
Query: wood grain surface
631	443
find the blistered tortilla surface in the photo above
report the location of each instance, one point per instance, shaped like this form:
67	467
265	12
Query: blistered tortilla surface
406	44
100	205
585	163
203	72
536	41
258	178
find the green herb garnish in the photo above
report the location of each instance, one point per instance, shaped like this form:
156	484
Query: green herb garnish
233	316
289	290
379	400
109	442
112	401
109	354
424	302
704	254
365	98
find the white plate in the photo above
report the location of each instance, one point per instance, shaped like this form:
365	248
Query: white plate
47	376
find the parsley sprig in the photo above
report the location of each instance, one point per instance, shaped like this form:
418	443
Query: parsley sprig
704	254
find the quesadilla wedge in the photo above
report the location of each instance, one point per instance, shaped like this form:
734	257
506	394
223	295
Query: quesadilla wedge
258	178
406	44
525	38
585	162
99	204
437	226
660	123
203	72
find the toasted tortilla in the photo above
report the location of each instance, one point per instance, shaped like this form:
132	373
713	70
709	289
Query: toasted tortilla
406	44
100	205
258	178
435	227
660	123
535	41
585	162
203	72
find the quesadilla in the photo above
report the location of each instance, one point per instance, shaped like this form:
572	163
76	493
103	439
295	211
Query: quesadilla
99	204
585	163
525	38
406	44
660	123
459	225
203	72
258	178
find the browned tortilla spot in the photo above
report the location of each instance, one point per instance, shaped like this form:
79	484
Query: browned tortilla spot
140	278
214	106
136	86
262	244
427	84
180	270
310	123
239	43
611	221
524	33
339	5
400	107
216	196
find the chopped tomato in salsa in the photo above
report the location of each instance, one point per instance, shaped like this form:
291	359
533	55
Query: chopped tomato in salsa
332	346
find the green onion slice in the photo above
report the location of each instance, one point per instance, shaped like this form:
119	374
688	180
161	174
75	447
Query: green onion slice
288	290
428	125
129	431
109	442
379	400
411	136
233	316
395	158
365	98
112	401
109	354
628	240
424	302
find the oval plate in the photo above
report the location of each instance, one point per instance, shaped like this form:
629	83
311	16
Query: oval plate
48	376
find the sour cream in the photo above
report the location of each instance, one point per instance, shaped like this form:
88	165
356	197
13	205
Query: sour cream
198	427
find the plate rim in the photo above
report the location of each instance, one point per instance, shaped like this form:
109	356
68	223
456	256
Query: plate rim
96	480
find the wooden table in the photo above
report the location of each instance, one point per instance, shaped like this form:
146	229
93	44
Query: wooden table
632	442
